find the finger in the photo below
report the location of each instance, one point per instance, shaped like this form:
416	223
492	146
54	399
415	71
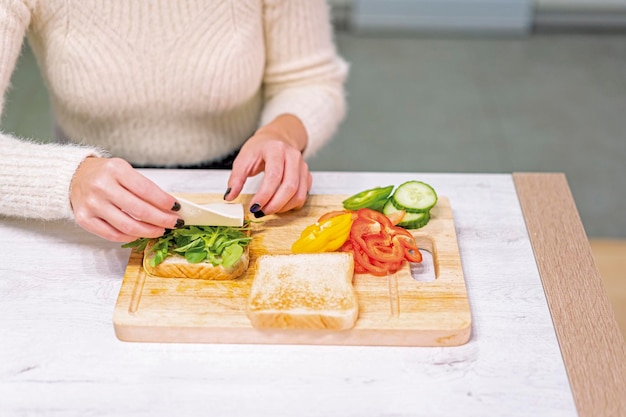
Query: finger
112	198
147	190
138	196
103	229
303	192
304	185
290	186
237	178
114	224
130	226
272	179
140	210
126	176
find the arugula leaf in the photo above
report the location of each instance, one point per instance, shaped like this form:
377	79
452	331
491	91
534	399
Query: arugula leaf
139	245
195	255
218	245
231	255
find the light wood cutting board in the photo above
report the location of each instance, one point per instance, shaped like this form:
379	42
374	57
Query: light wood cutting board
393	311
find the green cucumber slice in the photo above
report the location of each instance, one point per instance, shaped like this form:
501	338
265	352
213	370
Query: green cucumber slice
389	208
410	220
415	220
414	197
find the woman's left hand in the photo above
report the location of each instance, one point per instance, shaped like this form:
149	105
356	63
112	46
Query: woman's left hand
276	149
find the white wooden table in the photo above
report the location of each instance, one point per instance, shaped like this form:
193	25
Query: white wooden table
59	355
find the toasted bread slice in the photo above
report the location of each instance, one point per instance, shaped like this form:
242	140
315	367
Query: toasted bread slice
303	291
176	266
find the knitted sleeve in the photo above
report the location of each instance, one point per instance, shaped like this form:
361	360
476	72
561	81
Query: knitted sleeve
304	75
34	178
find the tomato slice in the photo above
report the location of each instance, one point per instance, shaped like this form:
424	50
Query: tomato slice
372	268
412	255
411	251
374	216
360	230
383	249
379	247
406	241
401	231
349	248
391	267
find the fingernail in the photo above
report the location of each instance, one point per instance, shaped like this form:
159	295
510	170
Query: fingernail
258	214
179	223
176	206
227	192
255	207
167	231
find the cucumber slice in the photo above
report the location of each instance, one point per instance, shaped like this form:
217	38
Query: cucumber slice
414	197
410	220
415	220
389	208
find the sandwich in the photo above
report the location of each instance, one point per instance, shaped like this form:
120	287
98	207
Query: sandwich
303	291
202	252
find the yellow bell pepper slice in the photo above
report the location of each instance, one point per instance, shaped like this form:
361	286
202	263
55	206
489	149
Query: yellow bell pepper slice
325	236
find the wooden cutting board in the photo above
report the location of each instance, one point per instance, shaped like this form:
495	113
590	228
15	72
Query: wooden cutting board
393	311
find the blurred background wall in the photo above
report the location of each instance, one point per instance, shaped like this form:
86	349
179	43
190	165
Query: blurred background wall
479	86
489	86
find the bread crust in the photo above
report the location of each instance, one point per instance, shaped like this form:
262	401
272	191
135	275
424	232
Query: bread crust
176	266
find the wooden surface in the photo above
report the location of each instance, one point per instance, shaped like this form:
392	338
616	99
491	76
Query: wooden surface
397	310
60	357
610	257
593	348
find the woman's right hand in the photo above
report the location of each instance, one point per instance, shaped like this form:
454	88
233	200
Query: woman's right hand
114	201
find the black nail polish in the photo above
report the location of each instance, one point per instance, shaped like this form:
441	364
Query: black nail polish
167	231
255	207
258	214
176	206
227	192
180	223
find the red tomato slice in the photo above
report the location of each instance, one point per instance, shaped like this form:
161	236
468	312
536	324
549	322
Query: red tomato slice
406	242
349	248
374	216
413	255
391	267
401	231
362	226
383	249
364	261
411	251
379	247
358	268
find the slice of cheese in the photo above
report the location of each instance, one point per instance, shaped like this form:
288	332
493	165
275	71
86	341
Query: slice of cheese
213	214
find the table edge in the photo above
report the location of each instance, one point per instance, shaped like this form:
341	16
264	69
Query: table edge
592	346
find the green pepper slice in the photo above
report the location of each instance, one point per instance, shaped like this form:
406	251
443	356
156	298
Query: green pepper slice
373	198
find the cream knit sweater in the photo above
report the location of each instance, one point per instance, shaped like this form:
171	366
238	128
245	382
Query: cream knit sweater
162	82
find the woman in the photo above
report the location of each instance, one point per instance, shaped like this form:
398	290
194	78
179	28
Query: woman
163	83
